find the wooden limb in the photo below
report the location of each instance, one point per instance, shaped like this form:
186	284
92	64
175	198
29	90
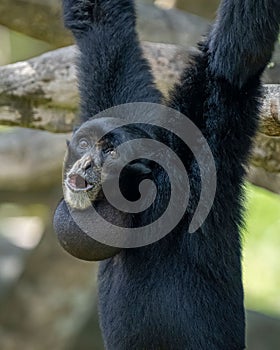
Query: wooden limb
41	93
270	122
264	167
41	19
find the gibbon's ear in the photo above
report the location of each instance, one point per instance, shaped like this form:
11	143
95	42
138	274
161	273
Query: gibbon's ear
67	143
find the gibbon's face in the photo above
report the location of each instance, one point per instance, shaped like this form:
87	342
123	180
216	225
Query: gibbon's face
86	156
82	182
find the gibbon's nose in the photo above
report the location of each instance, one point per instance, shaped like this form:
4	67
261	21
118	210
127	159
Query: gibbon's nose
86	163
90	170
89	165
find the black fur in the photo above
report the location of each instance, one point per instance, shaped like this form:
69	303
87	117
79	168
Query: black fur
185	291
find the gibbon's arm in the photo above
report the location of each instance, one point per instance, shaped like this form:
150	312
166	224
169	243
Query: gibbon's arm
243	38
220	91
111	71
111	67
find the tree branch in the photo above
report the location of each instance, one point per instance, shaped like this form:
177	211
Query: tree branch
41	93
41	19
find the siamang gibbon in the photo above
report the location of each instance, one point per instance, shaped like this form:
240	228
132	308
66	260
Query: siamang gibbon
185	290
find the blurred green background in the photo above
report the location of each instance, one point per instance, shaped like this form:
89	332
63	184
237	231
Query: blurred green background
261	262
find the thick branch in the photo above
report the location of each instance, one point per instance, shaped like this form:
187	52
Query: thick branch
41	93
271	111
36	18
41	19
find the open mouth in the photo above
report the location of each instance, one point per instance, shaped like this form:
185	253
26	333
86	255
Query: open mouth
77	183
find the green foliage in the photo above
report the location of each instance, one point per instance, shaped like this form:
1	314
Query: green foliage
261	262
23	47
17	47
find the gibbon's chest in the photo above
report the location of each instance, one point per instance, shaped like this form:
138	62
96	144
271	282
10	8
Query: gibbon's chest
149	307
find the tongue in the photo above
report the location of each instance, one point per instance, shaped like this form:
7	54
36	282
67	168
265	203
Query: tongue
78	182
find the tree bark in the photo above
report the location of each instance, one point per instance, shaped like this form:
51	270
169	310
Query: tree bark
41	93
42	20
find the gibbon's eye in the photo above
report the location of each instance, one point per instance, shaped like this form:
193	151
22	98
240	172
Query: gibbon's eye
83	144
112	152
